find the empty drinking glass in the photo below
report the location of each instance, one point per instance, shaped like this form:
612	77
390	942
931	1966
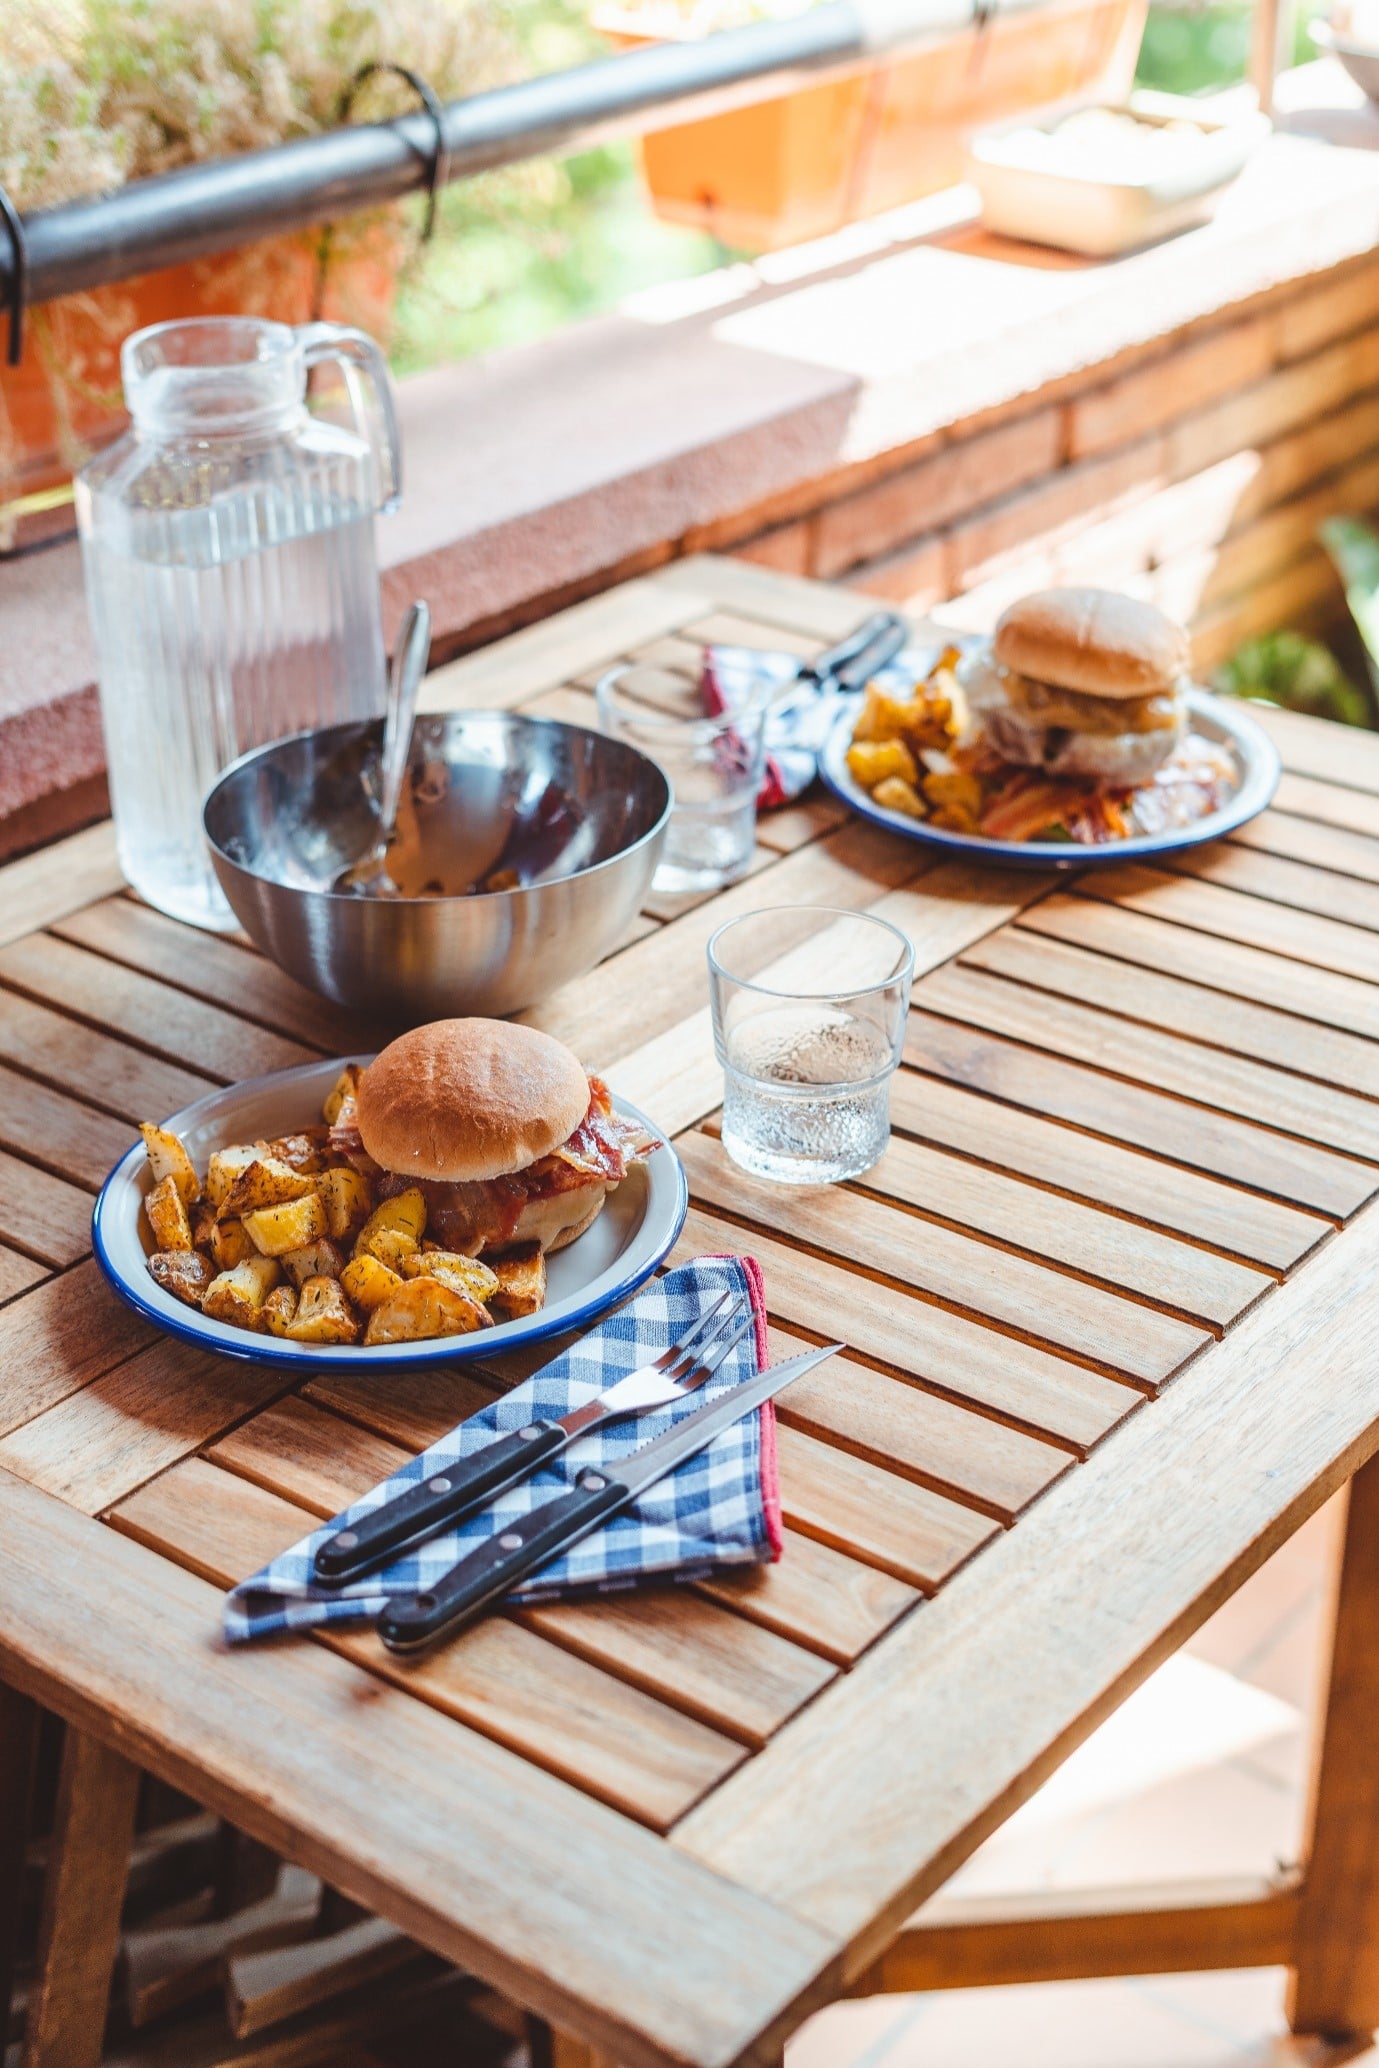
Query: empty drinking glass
809	1007
713	762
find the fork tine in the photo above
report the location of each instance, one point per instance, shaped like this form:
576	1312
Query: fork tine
704	1367
691	1335
687	1361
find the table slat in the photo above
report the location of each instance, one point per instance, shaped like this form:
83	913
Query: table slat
1304	797
1225	1081
59	1338
1240	972
1277	832
956	1355
1213	908
71	1140
99	1444
1198	1283
1213	1142
44	1216
17	1275
978	1277
92	1066
852	1505
145	1011
1282	882
816	1596
41	887
1122	1179
1341	754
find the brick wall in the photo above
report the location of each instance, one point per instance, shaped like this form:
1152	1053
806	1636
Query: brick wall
1196	475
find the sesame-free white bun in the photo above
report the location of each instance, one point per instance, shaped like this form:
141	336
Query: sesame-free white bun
1092	640
470	1099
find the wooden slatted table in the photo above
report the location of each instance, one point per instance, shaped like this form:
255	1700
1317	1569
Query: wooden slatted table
1110	1316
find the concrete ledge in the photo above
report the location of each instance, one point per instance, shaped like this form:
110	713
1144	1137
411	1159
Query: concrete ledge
879	402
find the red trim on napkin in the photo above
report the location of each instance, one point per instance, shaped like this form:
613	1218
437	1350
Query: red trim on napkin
770	1463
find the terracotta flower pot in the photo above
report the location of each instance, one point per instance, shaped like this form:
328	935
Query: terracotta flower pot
64	400
799	164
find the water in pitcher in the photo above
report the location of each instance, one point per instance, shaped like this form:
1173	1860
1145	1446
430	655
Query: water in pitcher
212	644
228	542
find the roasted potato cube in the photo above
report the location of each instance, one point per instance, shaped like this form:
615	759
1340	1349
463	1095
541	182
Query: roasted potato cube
871	761
167	1216
276	1229
168	1158
368	1282
424	1308
320	1259
882	717
895	794
265	1182
202	1219
521	1287
404	1215
954	792
344	1088
183	1273
237	1296
230	1245
306	1151
347	1201
280	1309
323	1315
225	1166
466	1274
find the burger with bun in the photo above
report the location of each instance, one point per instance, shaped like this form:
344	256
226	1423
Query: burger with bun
500	1126
1083	683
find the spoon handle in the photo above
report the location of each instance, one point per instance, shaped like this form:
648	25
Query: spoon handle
409	665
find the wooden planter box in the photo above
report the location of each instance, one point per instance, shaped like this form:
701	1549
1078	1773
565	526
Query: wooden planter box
802	163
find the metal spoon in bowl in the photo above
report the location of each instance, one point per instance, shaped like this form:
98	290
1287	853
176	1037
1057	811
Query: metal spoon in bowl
368	877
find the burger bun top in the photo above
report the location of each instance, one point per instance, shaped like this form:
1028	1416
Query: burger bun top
1093	641
469	1099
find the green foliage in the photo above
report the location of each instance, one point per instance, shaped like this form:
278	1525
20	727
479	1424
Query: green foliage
1194	47
1300	674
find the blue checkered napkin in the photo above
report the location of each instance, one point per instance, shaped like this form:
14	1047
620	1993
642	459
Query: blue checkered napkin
799	722
720	1508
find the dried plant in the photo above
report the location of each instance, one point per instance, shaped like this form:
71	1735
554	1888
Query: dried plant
97	92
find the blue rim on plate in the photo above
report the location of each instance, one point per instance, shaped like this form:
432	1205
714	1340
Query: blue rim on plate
1217	718
631	1238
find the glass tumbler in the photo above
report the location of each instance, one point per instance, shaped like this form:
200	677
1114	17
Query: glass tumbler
809	1007
712	761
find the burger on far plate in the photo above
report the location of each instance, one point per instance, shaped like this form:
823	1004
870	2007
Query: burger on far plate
1083	682
509	1139
1070	724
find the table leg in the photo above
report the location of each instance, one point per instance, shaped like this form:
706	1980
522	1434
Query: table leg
82	1894
18	1750
1334	1988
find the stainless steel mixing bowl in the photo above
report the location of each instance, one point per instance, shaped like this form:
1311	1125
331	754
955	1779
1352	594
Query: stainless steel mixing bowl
577	818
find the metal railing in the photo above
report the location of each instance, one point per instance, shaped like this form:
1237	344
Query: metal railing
208	208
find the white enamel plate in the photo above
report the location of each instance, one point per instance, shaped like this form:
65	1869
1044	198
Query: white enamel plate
635	1232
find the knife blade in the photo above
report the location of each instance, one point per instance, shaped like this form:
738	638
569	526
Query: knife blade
854	660
410	1621
458	1489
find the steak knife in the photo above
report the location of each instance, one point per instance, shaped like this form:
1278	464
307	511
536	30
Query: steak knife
410	1621
457	1490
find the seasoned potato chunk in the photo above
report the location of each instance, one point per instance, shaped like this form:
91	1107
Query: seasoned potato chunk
305	1151
347	1201
424	1308
167	1216
871	761
183	1273
343	1088
320	1259
369	1283
521	1287
323	1315
280	1309
237	1296
276	1229
393	1247
167	1158
466	1274
230	1245
202	1219
265	1182
225	1166
405	1215
895	794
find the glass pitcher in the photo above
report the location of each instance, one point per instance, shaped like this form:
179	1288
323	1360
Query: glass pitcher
228	543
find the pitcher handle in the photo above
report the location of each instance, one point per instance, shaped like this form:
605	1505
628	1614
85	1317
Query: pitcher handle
372	403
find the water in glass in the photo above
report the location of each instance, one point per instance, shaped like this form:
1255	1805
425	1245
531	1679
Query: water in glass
806	1094
231	578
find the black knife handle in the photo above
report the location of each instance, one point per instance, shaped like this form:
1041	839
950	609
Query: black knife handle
410	1621
451	1493
869	660
828	663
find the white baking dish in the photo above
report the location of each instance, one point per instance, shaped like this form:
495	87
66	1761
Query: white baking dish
1099	188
